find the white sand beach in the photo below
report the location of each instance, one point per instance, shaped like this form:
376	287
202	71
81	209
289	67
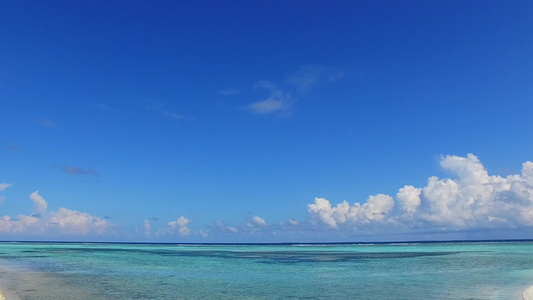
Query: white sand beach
5	291
8	294
528	293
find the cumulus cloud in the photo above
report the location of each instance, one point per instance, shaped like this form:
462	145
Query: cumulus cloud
147	228
257	221
38	202
22	224
375	209
79	223
62	221
409	199
179	226
471	199
220	226
293	222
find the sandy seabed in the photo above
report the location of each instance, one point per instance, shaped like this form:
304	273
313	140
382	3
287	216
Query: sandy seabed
526	295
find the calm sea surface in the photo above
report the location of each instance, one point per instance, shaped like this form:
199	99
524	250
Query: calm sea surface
386	271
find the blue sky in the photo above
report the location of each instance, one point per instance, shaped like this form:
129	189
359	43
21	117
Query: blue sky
218	121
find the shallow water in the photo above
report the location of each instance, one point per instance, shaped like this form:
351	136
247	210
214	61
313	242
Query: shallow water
386	271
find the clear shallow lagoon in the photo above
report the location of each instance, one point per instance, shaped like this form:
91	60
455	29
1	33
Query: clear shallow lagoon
149	271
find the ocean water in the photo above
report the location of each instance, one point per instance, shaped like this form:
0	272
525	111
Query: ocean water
499	270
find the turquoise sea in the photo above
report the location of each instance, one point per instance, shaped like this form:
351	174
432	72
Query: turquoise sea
480	270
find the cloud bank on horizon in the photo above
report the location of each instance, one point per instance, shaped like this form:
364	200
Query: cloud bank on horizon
63	222
471	199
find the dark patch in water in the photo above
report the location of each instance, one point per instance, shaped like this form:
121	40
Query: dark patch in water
268	257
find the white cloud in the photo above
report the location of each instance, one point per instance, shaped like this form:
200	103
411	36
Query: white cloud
472	199
229	92
73	170
48	123
22	224
257	221
219	226
147	228
179	226
293	222
38	201
305	78
78	223
280	100
374	210
176	116
158	107
409	199
43	223
277	102
267	106
4	186
309	76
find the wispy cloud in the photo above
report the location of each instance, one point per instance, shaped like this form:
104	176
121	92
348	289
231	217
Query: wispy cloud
267	106
101	106
176	116
281	100
159	108
48	123
310	76
277	102
229	92
305	78
73	170
12	148
4	186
